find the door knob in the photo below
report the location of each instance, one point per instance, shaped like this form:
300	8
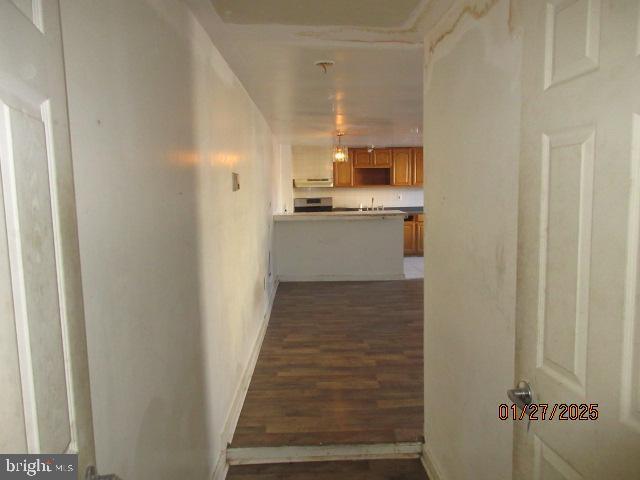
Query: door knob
521	396
92	474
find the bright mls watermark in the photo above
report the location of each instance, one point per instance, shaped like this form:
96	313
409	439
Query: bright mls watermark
43	466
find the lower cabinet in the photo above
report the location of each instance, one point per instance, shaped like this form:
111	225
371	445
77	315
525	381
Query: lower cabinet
414	235
420	238
409	237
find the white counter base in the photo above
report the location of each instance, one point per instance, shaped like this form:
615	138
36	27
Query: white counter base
351	247
340	278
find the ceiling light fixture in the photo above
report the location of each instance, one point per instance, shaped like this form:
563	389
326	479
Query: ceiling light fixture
340	153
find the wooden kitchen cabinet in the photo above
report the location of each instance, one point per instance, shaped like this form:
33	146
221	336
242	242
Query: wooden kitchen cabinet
409	237
389	166
414	235
402	170
362	158
417	166
377	158
382	158
420	238
343	173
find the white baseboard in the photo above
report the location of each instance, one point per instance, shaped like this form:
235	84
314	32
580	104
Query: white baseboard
233	415
430	465
374	277
323	453
222	467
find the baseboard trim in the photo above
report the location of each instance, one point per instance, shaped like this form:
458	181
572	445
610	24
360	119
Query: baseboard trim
323	453
429	464
222	468
222	465
341	278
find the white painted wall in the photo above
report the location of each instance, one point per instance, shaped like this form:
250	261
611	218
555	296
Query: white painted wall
312	161
285	193
175	265
471	133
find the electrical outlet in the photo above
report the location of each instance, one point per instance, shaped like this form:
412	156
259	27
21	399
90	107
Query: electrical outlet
399	196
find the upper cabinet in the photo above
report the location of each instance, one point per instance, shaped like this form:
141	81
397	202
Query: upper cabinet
402	167
418	163
395	166
362	158
382	158
343	172
377	158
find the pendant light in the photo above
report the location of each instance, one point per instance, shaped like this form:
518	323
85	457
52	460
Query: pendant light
339	151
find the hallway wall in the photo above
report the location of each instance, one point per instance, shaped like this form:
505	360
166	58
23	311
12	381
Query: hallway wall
176	273
471	135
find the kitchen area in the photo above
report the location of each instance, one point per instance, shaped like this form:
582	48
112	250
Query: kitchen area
352	213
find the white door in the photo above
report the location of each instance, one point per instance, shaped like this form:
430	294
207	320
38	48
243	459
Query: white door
578	326
44	382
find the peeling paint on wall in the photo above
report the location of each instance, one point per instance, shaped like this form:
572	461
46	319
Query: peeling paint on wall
474	8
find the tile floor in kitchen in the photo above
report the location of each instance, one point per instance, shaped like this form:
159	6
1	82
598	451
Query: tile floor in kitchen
413	267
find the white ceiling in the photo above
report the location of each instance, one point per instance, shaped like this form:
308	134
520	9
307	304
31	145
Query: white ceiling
373	92
366	13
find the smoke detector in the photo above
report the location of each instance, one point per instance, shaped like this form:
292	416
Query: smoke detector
325	64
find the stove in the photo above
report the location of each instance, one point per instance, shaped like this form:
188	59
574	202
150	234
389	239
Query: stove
317	204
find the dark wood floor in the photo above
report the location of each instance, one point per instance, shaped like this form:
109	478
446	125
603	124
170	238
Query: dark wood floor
341	363
365	470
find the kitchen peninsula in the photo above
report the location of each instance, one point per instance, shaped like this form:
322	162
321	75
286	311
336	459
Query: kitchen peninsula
345	245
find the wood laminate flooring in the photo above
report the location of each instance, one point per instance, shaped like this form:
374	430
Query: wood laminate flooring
341	363
359	470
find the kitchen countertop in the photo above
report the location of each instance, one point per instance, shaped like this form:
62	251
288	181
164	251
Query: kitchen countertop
338	215
402	209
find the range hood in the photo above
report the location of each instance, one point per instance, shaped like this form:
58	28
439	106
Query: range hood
313	182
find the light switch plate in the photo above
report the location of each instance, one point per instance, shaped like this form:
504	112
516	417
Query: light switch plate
235	178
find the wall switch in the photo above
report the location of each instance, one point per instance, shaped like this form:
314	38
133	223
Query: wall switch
399	196
235	178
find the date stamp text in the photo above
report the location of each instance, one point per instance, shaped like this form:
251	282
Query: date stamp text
549	411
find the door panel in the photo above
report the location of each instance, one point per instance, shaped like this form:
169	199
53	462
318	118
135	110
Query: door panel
572	39
565	233
13	437
25	174
578	237
30	9
549	465
45	383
